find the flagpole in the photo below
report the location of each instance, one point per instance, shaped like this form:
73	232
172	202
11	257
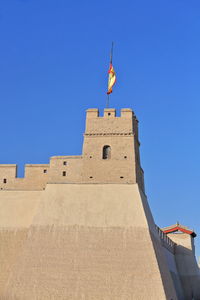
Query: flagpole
111	58
107	102
111	52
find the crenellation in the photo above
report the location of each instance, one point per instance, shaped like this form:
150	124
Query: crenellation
109	123
92	113
36	171
127	113
35	177
109	113
123	165
8	171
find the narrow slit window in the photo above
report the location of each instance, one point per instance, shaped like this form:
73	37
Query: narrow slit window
106	152
5	180
64	173
64	163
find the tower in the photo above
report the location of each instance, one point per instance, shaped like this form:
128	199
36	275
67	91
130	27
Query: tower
186	263
111	148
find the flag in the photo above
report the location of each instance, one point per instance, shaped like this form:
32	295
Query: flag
111	78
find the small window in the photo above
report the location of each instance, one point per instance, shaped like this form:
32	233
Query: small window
106	152
90	156
121	177
5	180
64	163
91	177
109	114
125	156
64	173
45	170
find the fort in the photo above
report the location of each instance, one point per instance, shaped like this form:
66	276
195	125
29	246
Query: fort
80	227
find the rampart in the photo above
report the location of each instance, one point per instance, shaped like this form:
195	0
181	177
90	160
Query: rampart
120	134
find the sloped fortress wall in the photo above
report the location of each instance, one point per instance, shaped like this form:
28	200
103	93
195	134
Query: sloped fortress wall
81	226
187	265
78	246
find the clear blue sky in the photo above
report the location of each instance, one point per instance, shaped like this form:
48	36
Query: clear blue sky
54	59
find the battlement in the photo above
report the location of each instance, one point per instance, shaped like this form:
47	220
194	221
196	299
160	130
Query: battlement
9	170
110	113
35	177
109	123
109	133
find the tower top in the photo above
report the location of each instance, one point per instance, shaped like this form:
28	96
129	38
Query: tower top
110	112
179	228
110	123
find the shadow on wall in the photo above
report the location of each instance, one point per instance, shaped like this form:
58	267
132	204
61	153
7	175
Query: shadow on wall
189	272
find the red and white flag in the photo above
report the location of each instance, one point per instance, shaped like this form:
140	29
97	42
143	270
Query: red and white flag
111	78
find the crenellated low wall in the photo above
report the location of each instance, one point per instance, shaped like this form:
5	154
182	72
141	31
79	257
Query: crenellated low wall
35	177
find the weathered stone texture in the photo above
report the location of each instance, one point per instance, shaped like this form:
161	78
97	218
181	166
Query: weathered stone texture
86	263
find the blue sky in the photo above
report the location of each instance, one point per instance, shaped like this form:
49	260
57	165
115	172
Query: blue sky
54	58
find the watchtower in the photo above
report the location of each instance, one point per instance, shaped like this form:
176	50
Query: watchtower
111	147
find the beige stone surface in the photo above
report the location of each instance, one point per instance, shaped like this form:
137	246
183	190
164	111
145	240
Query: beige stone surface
87	263
11	245
100	205
91	242
17	208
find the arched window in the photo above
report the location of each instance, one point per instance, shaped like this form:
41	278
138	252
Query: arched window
106	152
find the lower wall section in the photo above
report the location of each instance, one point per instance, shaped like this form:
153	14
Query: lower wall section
90	263
11	245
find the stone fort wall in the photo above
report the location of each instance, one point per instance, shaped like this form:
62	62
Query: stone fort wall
119	133
89	205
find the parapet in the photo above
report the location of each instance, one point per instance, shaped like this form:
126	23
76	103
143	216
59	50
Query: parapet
110	123
92	113
35	177
9	170
110	112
